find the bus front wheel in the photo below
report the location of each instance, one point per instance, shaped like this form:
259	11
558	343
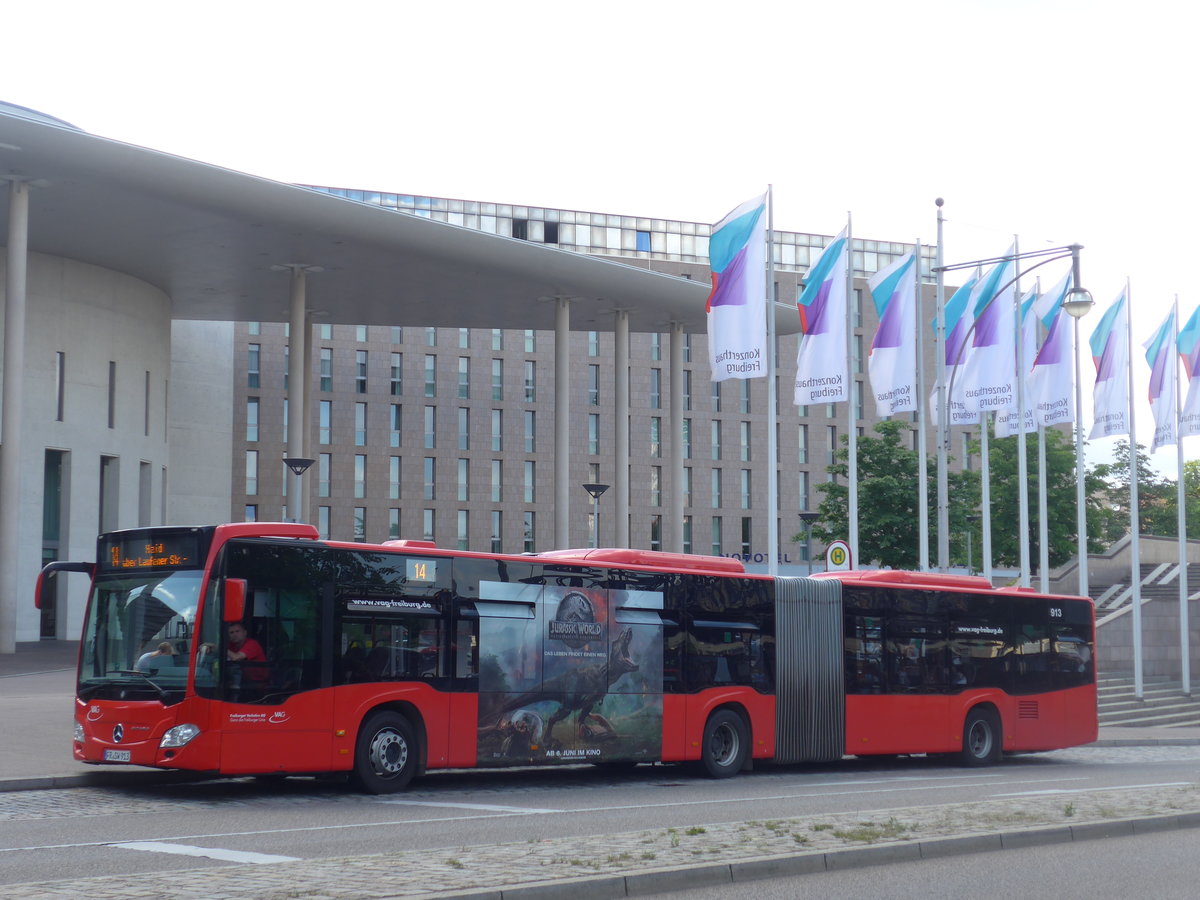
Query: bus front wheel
385	758
982	740
725	745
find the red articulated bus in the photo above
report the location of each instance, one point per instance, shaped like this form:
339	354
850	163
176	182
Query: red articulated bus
258	649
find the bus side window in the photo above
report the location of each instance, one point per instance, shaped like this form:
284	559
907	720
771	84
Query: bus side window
466	648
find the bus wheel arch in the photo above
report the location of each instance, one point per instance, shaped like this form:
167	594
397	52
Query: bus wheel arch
389	750
725	744
982	736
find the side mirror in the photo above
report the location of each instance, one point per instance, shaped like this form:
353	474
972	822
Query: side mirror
235	600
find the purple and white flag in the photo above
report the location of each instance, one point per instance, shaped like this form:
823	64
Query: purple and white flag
892	365
737	304
821	365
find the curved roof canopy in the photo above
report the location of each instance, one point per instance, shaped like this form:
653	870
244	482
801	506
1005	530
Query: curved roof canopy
209	238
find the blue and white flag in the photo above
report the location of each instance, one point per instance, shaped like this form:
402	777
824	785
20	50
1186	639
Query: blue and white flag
821	364
737	304
892	364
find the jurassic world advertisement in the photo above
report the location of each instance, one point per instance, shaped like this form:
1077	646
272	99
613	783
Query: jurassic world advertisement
568	674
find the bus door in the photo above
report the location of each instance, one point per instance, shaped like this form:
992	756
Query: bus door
272	667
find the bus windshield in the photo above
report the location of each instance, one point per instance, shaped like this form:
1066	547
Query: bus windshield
138	634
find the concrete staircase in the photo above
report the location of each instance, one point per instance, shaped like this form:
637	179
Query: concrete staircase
1162	703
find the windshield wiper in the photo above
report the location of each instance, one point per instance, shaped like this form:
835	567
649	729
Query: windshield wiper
146	676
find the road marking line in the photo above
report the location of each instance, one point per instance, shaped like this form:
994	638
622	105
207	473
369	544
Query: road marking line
1120	787
240	856
480	807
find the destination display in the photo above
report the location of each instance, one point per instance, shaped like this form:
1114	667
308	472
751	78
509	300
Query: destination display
161	551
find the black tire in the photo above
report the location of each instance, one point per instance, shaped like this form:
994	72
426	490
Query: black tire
387	753
982	738
725	745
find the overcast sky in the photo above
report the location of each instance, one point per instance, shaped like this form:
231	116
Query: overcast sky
1056	121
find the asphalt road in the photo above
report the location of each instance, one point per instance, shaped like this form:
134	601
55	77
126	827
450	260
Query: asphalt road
96	830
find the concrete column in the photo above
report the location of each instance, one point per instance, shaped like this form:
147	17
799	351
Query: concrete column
562	424
673	532
11	590
297	390
621	429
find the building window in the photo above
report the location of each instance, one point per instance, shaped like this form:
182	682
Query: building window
253	362
717	547
324	464
803	490
360	475
656	437
497	338
397	422
687	485
497	531
656	388
427	525
716	396
397	378
430	337
60	383
655	346
530	431
428	469
497	379
394	481
251	471
530	382
464	339
464	480
716	438
251	419
530	485
530	341
360	424
323	522
497	469
464	529
746	495
744	441
687	388
746	533
430	375
497	430
326	358
397	334
464	378
430	427
656	533
593	343
520	229
112	394
803	444
393	524
687	534
656	485
716	488
744	399
360	523
251	512
528	532
550	232
593	433
593	385
325	332
324	421
360	333
464	428
360	371
642	241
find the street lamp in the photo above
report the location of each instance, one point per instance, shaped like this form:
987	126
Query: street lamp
595	490
1078	299
297	465
1078	304
808	517
971	520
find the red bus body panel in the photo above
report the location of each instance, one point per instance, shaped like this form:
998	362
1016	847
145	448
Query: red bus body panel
684	716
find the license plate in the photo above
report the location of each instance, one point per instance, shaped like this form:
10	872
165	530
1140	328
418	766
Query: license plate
118	755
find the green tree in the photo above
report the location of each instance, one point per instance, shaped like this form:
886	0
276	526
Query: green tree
1060	500
1156	496
888	498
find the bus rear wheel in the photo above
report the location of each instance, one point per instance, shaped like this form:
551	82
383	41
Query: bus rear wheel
982	741
385	757
725	745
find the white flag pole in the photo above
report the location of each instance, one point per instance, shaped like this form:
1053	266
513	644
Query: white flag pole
852	383
1043	513
943	405
922	463
1022	450
985	464
772	399
1135	573
1181	521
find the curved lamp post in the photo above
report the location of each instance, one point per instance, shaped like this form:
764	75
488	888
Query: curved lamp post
595	490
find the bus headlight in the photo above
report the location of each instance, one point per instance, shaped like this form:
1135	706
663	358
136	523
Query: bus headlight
179	735
78	733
